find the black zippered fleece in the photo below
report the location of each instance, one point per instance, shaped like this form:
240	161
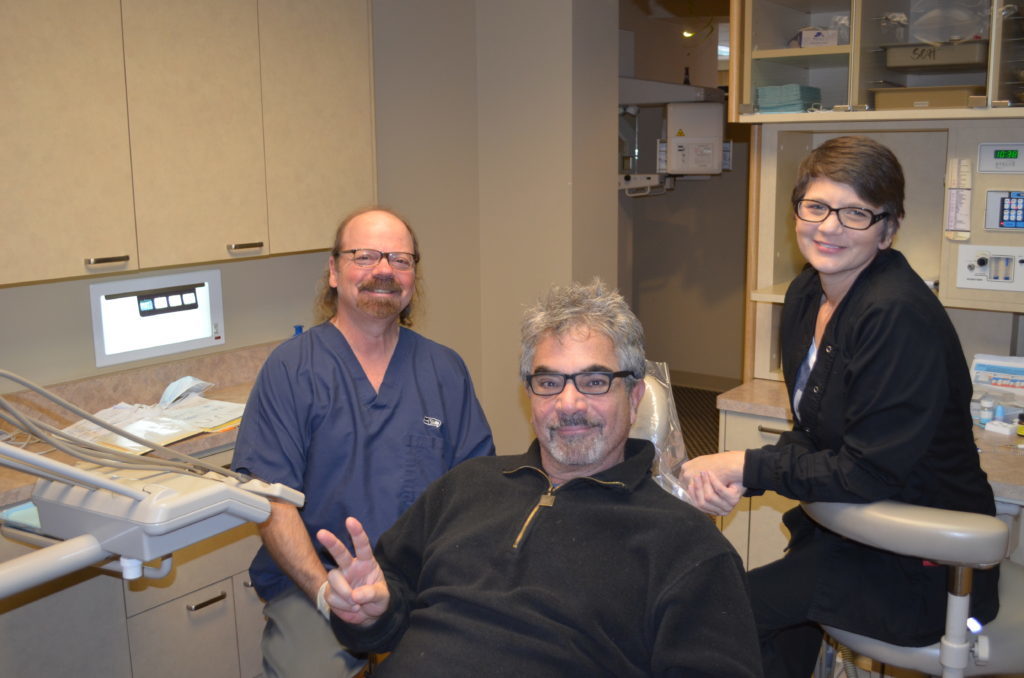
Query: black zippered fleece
494	572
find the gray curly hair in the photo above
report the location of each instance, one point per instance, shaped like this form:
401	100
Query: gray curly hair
593	307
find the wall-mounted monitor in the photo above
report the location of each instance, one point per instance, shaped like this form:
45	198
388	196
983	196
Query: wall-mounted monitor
148	317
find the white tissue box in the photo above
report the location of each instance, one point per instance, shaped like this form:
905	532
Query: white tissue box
813	37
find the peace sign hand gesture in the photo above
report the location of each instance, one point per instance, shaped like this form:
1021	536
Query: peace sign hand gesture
357	591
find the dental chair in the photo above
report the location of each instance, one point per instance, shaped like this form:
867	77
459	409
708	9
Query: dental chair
656	413
962	541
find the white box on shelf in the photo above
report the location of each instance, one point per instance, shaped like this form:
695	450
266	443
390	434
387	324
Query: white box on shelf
815	37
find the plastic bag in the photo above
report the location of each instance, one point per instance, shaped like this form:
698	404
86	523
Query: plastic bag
658	421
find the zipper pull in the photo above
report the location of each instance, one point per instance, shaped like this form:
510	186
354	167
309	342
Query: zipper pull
546	499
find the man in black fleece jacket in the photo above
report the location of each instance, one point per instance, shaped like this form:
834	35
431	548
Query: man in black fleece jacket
567	560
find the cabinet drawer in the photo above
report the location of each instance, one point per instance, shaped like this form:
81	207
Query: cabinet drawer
196	566
741	431
193	635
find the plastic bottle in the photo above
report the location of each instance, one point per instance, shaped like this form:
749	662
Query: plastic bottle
985	416
1020	424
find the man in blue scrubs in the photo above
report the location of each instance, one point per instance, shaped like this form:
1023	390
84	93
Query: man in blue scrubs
360	413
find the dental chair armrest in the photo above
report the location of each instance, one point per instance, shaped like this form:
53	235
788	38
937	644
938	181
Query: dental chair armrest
940	535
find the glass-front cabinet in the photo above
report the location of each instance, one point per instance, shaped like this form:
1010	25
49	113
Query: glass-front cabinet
880	59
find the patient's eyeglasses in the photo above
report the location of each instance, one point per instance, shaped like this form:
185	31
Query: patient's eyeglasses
587	383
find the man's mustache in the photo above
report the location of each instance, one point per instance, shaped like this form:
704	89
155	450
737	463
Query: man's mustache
380	283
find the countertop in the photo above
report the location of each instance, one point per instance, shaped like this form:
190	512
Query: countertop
1000	458
232	374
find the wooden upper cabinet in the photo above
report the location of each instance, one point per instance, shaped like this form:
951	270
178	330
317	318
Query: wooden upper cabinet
65	179
878	60
192	71
146	133
317	117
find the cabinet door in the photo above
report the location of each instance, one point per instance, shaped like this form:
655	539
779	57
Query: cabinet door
768	536
193	636
787	71
755	528
318	118
72	626
249	625
193	77
65	180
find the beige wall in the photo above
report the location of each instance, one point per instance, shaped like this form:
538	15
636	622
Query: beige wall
688	275
426	126
687	247
509	175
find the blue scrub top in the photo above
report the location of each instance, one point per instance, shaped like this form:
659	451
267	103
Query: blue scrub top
314	422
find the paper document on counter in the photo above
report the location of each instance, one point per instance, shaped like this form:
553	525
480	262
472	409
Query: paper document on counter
205	414
190	416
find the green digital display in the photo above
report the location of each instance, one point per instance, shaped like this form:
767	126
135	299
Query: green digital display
1006	154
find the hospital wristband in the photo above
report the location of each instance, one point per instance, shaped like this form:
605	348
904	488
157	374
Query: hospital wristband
321	601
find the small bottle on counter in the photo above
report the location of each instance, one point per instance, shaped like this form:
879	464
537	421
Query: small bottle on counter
1020	424
985	415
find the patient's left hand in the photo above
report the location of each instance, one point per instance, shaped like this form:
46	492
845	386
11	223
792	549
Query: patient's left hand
714	481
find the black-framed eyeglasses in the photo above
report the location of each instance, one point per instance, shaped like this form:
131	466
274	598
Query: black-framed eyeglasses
587	383
857	218
400	261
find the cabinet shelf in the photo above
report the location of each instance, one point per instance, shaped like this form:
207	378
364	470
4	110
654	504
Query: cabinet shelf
775	294
895	114
834	55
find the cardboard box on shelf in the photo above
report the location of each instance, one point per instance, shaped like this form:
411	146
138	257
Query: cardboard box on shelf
963	55
952	96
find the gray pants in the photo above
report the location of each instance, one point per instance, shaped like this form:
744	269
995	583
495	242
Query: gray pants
298	641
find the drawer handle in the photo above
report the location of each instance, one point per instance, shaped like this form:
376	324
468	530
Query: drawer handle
761	428
94	261
206	603
236	246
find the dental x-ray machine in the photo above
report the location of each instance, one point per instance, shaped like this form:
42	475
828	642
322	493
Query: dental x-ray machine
666	131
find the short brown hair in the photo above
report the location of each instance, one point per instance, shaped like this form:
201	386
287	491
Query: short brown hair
863	164
326	303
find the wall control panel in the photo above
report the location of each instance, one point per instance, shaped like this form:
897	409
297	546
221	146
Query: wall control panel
994	267
1004	211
